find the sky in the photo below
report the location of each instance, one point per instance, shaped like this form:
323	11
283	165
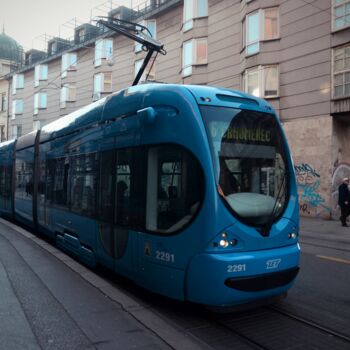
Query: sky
27	21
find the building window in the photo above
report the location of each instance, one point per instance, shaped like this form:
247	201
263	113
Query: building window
69	63
2	137
150	72
53	48
36	125
262	81
341	72
16	131
103	50
102	84
151	26
3	103
68	94
259	26
40	101
193	9
81	35
40	73
341	14
17	108
17	82
194	52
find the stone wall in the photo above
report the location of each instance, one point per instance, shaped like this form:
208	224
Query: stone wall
310	141
341	160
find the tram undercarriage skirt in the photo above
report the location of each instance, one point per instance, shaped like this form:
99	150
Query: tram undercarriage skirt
262	282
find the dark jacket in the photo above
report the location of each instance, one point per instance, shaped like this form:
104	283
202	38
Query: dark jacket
344	194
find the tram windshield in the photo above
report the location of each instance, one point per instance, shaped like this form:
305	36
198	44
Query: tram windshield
249	162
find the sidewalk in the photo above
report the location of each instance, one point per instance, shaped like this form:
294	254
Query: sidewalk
329	228
50	301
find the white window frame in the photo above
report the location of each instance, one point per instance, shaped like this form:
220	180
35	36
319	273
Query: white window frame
261	71
192	60
100	84
151	25
341	72
346	20
261	27
14	131
17	82
193	9
68	94
103	51
40	101
69	63
17	108
40	73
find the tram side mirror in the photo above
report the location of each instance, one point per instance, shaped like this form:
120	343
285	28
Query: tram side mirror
147	115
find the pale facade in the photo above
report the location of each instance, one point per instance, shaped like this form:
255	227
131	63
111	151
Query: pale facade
4	92
293	53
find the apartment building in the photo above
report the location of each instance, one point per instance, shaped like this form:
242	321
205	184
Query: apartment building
10	57
294	53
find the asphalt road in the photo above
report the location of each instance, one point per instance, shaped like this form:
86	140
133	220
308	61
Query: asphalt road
322	289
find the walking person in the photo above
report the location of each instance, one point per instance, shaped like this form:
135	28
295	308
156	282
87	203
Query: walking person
344	200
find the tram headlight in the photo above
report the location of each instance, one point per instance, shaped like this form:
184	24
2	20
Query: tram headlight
223	243
292	235
224	240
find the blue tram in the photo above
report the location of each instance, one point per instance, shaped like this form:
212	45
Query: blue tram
189	191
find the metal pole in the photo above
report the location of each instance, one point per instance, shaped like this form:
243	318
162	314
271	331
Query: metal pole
143	67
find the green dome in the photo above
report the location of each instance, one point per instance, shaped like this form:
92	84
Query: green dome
10	49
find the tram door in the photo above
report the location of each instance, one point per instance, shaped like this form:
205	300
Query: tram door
121	202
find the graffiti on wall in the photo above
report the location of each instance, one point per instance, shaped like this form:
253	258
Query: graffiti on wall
311	201
340	171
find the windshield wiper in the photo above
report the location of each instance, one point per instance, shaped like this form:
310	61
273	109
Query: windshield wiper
265	230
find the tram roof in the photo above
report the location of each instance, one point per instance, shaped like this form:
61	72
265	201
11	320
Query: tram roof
126	101
6	145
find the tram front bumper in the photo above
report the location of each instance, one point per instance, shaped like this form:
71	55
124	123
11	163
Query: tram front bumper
262	282
230	279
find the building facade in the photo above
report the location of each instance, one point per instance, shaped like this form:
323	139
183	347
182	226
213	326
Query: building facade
10	57
294	53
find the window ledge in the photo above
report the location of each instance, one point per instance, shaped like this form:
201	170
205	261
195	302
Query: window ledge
340	98
269	40
334	31
252	54
271	98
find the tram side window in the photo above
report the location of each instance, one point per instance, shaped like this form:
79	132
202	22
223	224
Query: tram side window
84	169
24	173
5	181
131	188
175	189
57	181
106	186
